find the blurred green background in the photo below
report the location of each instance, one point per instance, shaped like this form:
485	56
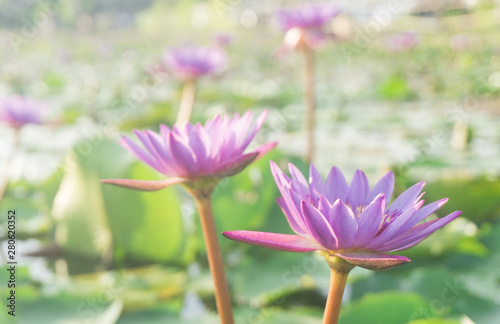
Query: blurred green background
102	254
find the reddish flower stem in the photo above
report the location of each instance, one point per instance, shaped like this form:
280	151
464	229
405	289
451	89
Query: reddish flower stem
339	271
187	102
309	99
222	297
334	300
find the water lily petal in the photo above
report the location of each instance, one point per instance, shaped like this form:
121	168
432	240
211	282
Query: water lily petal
263	149
183	154
299	183
234	166
138	151
336	185
395	227
280	242
358	190
423	213
316	184
417	233
344	224
144	185
293	217
319	228
385	185
406	199
369	221
373	261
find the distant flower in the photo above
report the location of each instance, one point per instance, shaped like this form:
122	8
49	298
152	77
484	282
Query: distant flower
459	42
402	42
197	152
223	39
305	26
18	111
348	221
190	62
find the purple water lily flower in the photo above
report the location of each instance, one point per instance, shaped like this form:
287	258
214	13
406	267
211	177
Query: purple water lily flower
304	26
348	221
196	152
190	62
18	111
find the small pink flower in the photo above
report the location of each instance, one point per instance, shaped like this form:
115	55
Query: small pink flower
18	111
190	62
402	42
305	26
197	152
348	221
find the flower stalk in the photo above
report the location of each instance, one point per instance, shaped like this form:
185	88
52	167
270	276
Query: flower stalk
222	296
339	271
309	100
187	102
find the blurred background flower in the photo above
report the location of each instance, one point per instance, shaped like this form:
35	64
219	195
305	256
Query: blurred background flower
18	111
190	62
305	26
404	41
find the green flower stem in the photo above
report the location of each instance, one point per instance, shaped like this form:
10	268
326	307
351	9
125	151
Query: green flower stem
222	297
309	99
339	271
187	102
10	160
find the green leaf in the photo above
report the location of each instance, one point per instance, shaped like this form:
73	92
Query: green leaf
79	213
395	88
243	202
383	308
435	321
142	226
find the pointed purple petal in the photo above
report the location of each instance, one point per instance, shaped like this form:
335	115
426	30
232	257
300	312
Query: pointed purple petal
292	216
385	185
198	141
395	227
183	155
280	242
264	149
406	199
424	212
325	208
319	228
358	190
316	183
144	185
344	224
369	221
140	153
417	233
299	183
373	261
234	166
336	185
255	128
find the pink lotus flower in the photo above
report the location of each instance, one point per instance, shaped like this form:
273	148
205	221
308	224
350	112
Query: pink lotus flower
197	152
304	26
348	221
18	111
190	62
